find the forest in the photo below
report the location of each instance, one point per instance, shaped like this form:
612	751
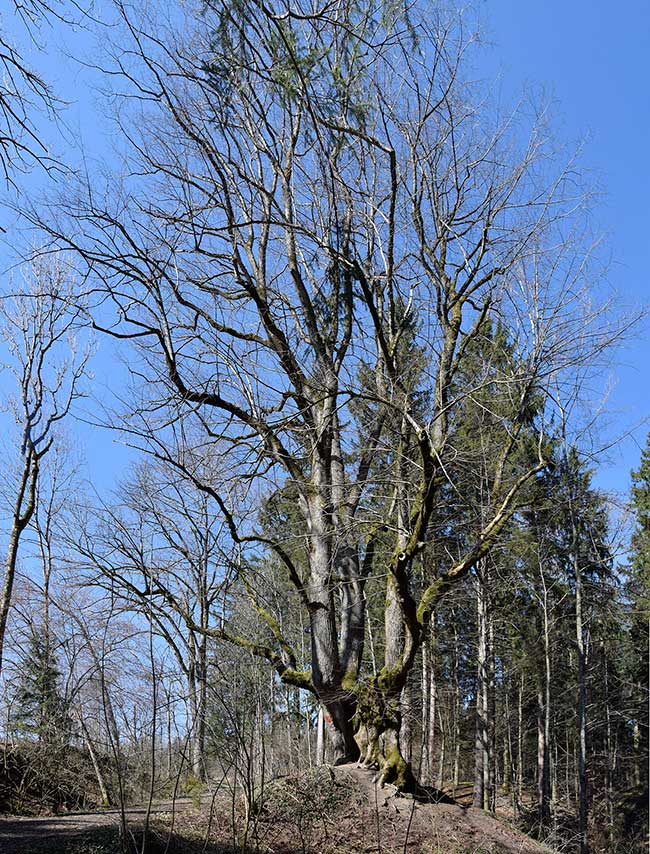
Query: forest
332	324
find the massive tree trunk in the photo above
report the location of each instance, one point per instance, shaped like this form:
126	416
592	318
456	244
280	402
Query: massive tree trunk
379	709
342	730
336	651
399	648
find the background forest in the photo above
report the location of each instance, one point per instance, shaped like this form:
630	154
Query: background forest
352	321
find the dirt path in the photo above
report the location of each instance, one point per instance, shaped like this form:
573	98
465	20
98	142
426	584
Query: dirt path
327	809
20	835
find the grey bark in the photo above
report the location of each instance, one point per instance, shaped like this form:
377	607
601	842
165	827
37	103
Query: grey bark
106	801
482	742
582	704
320	737
22	514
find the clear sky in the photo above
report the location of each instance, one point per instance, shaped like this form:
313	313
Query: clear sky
592	59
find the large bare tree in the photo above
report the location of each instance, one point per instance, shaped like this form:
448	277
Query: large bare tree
159	550
22	89
39	321
309	200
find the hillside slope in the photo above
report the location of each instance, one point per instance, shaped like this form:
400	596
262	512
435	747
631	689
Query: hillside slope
342	810
322	811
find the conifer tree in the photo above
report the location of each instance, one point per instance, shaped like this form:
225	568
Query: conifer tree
638	600
41	711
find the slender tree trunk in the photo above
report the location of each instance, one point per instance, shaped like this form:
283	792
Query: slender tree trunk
490	710
456	773
192	697
95	762
170	754
258	746
608	752
456	742
289	728
520	744
544	714
543	783
553	771
424	723
22	514
305	727
582	702
197	685
433	708
320	737
442	758
567	780
406	731
307	715
507	747
371	644
481	747
272	711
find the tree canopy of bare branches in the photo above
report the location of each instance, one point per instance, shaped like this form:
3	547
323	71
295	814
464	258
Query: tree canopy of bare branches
39	322
320	218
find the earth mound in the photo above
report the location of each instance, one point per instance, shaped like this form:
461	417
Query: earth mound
343	810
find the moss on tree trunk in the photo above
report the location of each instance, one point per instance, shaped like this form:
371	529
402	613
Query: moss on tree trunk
378	720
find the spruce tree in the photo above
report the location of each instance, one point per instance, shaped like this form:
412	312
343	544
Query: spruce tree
41	711
638	601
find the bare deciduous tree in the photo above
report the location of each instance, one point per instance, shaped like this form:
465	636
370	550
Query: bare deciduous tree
38	323
314	199
160	552
22	89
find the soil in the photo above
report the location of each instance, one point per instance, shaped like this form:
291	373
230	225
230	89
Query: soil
434	822
382	820
29	835
324	811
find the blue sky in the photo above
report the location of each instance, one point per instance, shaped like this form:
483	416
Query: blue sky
591	59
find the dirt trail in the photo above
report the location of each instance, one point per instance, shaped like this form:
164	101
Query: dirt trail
21	835
306	813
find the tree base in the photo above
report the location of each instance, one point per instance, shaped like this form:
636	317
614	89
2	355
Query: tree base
396	771
393	769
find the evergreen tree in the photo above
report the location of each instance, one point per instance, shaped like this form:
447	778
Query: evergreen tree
41	711
638	586
637	591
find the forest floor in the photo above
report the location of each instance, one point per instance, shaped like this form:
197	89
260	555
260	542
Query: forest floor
53	833
325	811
